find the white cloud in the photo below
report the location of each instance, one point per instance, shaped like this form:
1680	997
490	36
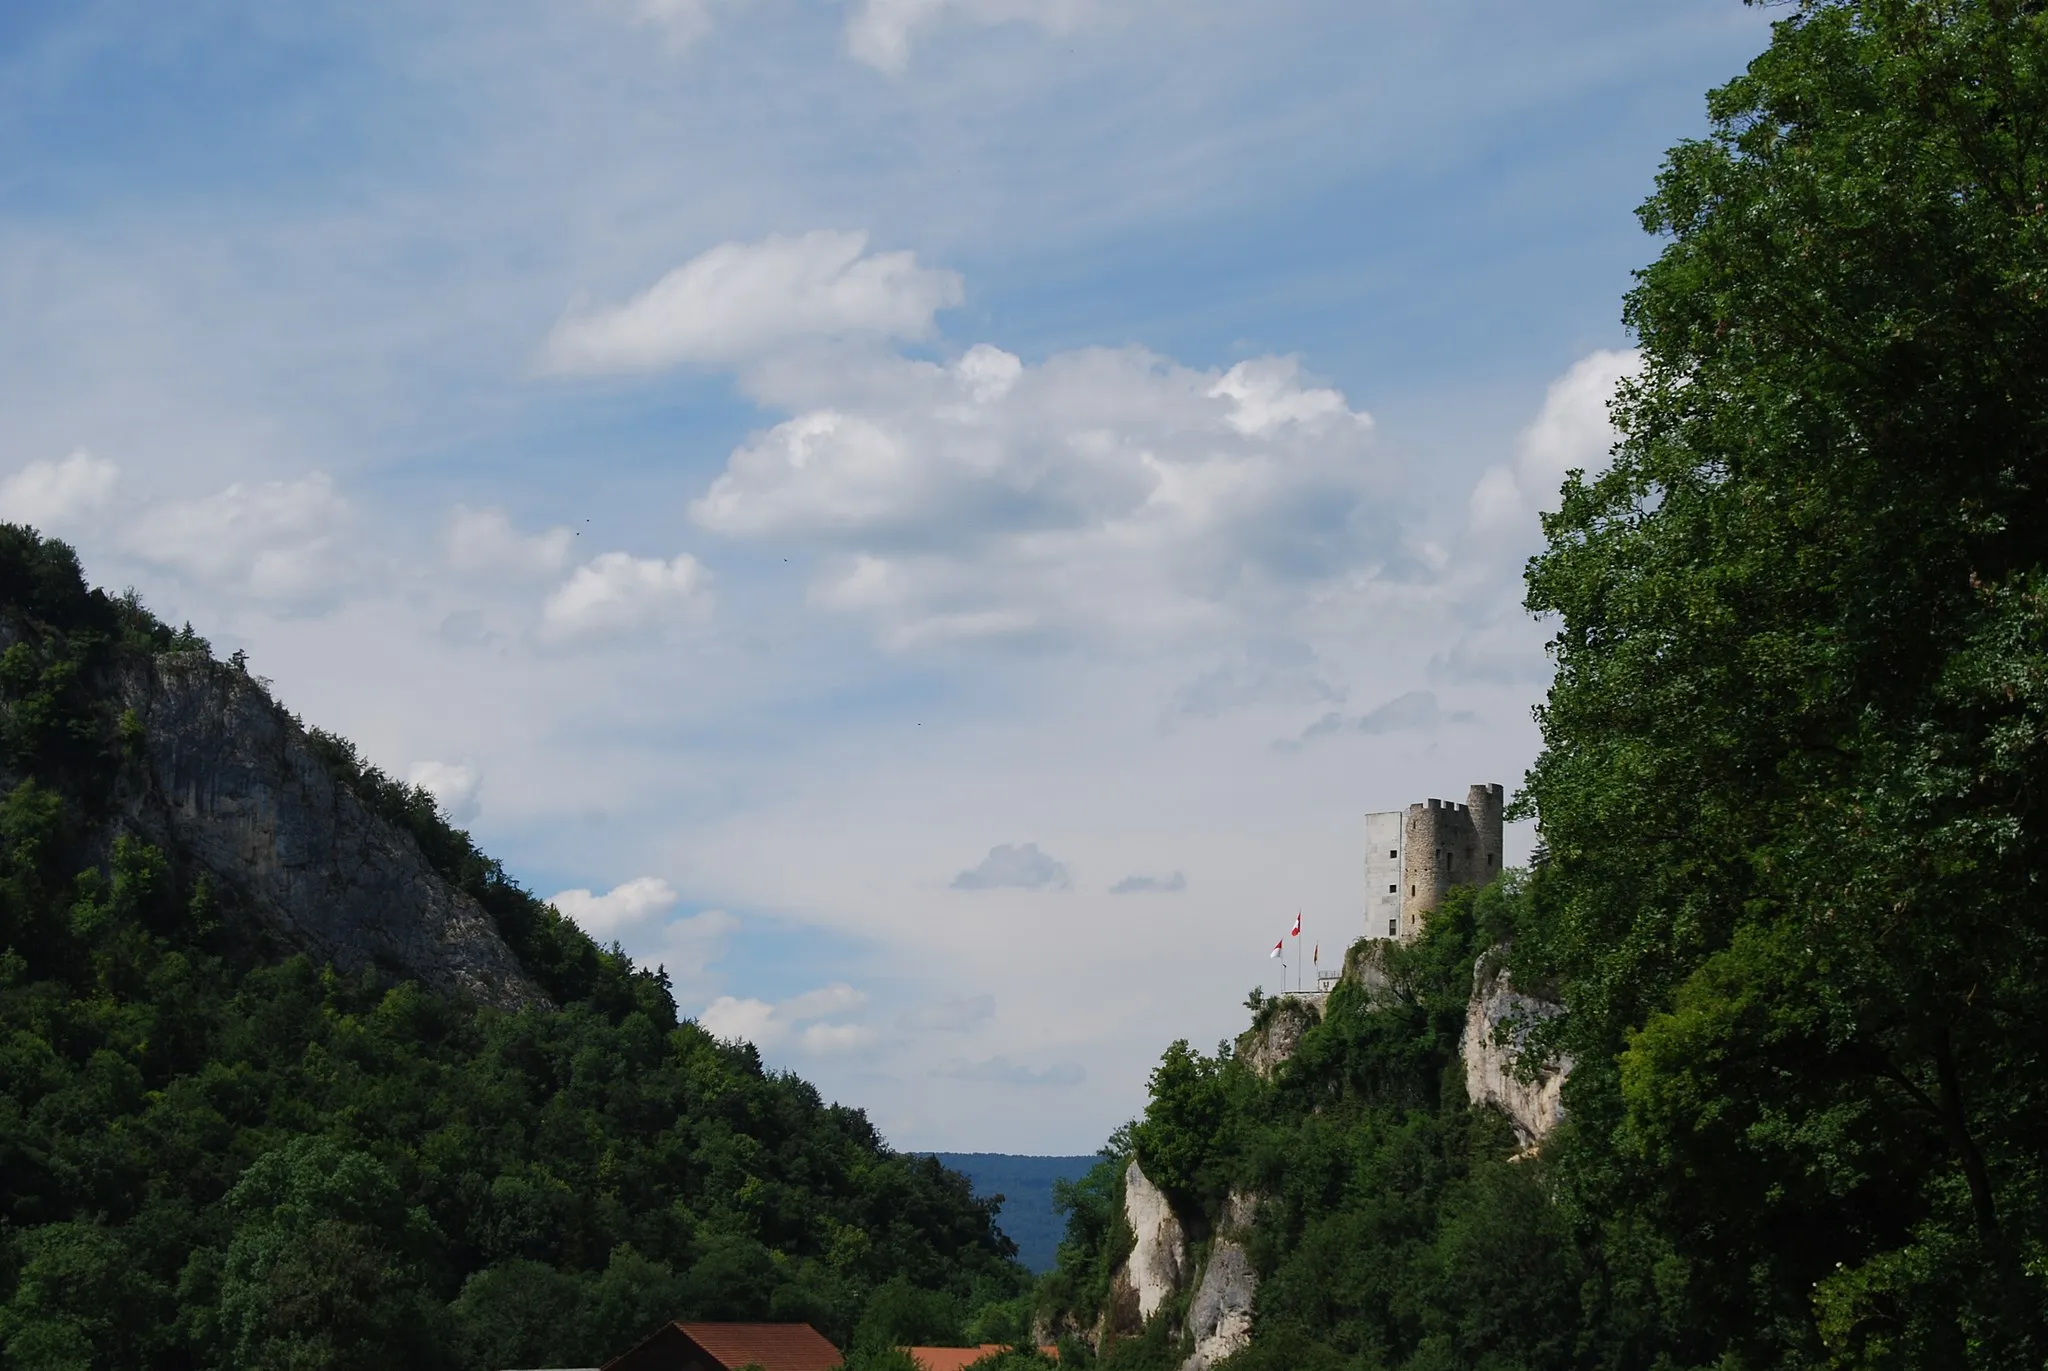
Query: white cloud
1021	867
281	542
1150	885
955	1015
742	300
1001	1070
801	1020
453	786
836	998
1104	490
836	1037
880	33
483	542
48	495
626	904
1571	432
742	1020
618	594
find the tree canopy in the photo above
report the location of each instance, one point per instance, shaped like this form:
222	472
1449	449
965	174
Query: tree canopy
213	1154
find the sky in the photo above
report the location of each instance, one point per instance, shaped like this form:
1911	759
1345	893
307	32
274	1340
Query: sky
932	520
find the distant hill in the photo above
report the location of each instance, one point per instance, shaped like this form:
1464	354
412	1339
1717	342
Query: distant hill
291	1074
1025	1183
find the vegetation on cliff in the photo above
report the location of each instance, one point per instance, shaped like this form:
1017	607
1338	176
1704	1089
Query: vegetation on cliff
214	1154
1790	794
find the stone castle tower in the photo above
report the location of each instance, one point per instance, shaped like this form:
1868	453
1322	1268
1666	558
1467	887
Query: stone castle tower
1413	856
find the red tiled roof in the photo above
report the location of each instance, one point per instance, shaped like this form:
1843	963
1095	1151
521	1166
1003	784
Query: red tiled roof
959	1358
771	1346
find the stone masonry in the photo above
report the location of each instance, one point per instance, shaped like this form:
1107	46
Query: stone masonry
1413	857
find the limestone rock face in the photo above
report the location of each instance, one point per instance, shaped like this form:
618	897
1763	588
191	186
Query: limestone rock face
233	780
1220	1314
1532	1107
1264	1048
1157	1268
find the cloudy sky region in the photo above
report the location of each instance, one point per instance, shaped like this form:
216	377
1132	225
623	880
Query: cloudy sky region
930	518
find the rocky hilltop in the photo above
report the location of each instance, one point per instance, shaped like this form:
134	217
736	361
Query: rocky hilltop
218	773
229	778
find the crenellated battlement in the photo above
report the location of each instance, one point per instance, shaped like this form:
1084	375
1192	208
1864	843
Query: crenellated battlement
1413	857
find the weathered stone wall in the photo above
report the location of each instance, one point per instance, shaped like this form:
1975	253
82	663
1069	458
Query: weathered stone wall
232	780
1445	845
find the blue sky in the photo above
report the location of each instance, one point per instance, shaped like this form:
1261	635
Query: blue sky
836	490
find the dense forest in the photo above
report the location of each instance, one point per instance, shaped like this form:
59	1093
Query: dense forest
213	1153
1790	892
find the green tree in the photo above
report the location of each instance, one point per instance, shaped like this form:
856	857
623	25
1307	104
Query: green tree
319	1274
1789	782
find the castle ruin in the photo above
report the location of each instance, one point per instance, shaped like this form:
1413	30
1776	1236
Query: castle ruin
1413	856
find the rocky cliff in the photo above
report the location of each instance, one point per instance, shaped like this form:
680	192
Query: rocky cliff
1219	1323
229	779
1157	1268
1497	1025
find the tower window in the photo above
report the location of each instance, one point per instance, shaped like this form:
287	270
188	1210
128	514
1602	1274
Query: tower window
1393	889
1411	892
1390	928
1393	854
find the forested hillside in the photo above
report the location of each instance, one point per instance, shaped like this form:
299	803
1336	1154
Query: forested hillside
216	1151
1791	890
1026	1185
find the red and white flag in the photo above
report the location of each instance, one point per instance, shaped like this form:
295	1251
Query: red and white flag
1297	925
1276	948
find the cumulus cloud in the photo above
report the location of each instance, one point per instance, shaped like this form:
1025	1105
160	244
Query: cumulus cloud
742	1021
618	594
1104	490
626	904
1002	1071
741	300
802	1020
453	786
951	1016
483	542
881	31
1572	431
1150	885
49	495
277	541
836	1037
1015	867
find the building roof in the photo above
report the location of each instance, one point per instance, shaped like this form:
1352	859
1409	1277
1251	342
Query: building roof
959	1358
730	1346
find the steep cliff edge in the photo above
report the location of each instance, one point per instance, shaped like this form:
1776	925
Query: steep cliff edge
230	779
1219	1323
1497	1025
1157	1268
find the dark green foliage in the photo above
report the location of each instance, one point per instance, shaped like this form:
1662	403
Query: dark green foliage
1790	785
1395	1230
209	1157
1794	826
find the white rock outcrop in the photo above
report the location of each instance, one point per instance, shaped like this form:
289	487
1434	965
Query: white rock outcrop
1220	1314
1157	1268
1263	1048
1533	1107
